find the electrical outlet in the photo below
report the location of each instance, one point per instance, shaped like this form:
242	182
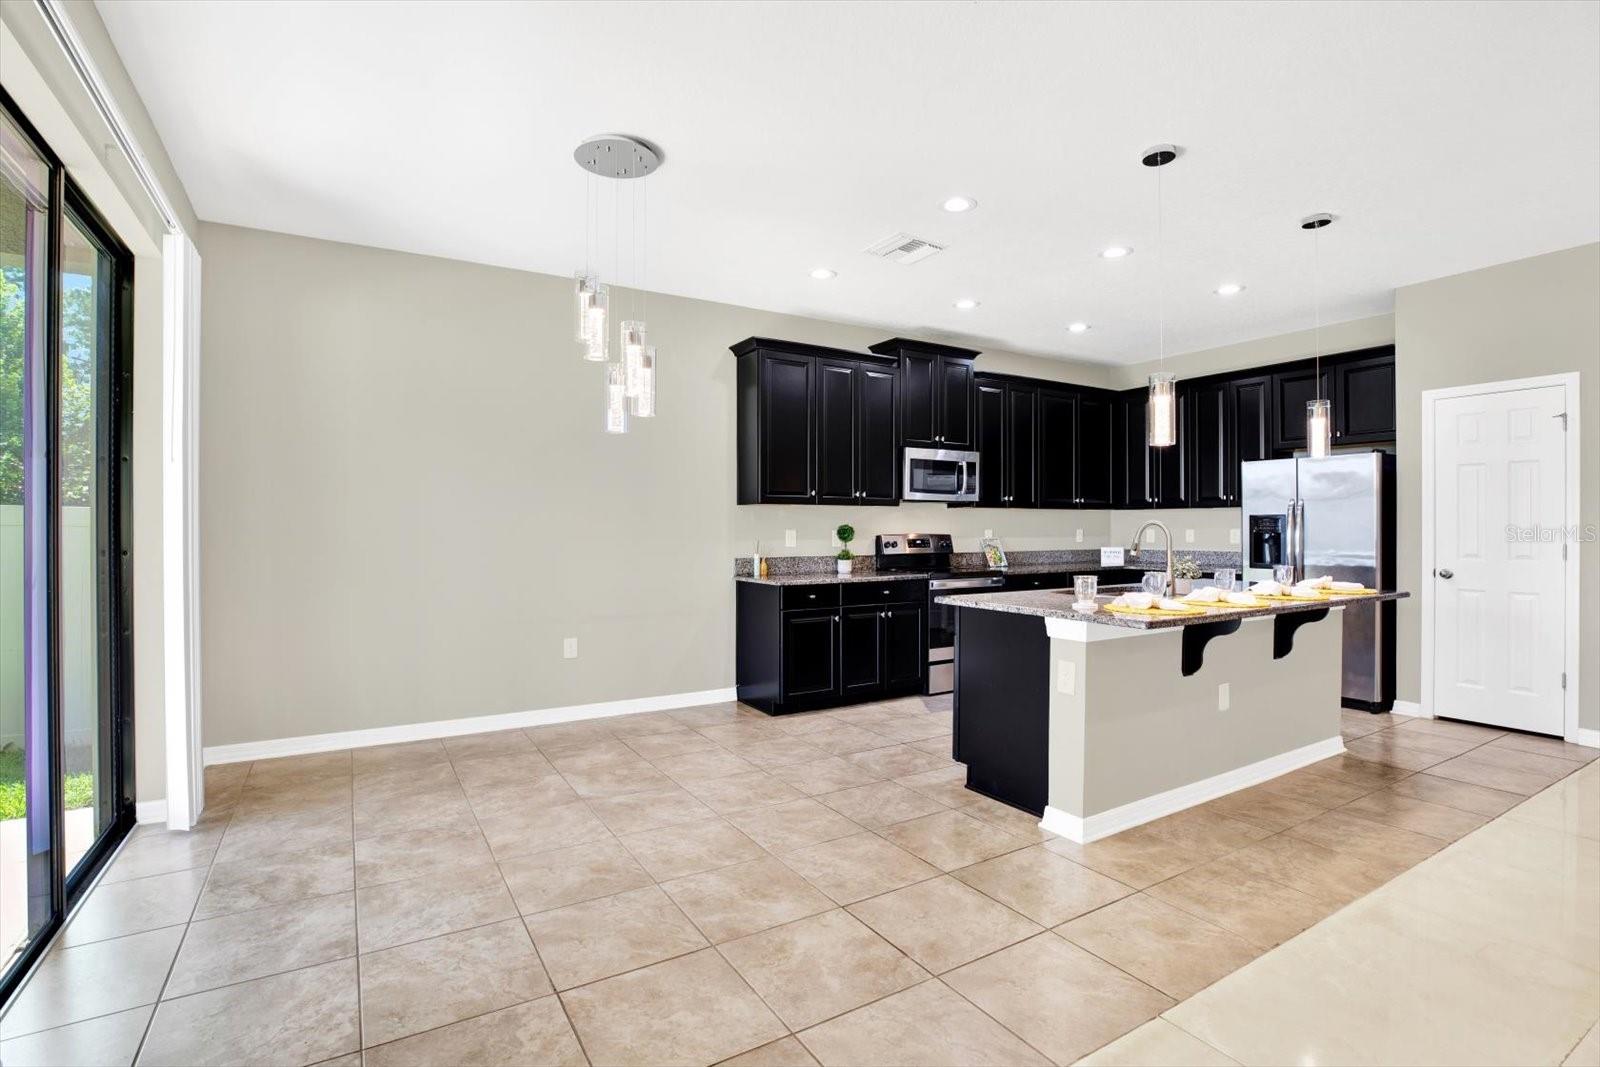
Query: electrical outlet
1233	537
988	533
569	648
1079	538
1224	696
1066	677
788	539
1149	537
833	537
1188	537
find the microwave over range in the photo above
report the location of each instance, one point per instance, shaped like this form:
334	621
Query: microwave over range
939	474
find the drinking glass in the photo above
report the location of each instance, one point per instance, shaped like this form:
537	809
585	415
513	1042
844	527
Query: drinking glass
1155	583
1283	574
1225	580
1086	586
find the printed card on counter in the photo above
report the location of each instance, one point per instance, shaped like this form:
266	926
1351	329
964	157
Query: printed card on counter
1112	557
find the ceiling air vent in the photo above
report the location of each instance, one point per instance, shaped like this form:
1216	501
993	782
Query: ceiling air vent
903	248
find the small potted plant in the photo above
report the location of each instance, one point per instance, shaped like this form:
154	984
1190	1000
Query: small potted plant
1184	571
845	533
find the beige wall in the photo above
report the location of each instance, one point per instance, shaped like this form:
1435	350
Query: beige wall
1516	320
407	500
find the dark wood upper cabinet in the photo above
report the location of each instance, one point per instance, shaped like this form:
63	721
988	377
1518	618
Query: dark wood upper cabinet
1208	441
878	479
1290	392
1020	481
955	403
820	425
787	441
1058	448
990	415
1364	408
837	382
936	393
815	425
1094	448
1134	476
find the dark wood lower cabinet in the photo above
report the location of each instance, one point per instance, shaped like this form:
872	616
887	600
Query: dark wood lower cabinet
793	657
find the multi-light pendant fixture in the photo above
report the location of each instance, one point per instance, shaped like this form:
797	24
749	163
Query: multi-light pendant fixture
630	386
1319	413
1161	409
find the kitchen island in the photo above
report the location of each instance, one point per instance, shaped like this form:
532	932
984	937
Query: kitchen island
1098	722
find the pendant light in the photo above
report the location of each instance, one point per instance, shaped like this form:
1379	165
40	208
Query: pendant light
1161	408
630	379
1319	412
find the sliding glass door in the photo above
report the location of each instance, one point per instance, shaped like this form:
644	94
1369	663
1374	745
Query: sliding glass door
65	711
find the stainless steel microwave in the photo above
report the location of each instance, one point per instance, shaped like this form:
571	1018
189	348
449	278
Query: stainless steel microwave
940	474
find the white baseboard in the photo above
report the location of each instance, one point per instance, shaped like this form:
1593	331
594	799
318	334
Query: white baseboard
1105	823
150	811
1409	707
1587	738
478	724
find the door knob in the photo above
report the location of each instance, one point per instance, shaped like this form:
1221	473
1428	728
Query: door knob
1446	573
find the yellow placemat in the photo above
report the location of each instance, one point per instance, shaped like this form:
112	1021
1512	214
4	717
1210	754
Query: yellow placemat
1153	612
1287	597
1347	592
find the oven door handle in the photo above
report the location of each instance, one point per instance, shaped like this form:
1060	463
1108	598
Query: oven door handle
945	584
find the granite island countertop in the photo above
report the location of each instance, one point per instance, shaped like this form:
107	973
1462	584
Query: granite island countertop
1057	604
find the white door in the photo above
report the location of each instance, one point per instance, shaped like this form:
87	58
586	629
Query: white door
1499	615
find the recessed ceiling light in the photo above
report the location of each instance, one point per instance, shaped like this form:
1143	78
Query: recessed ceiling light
959	204
1116	252
1229	289
822	274
966	303
1078	327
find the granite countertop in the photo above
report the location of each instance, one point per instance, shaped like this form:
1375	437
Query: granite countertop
825	578
1057	604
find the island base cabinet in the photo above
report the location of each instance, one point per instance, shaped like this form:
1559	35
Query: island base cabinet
1002	706
792	658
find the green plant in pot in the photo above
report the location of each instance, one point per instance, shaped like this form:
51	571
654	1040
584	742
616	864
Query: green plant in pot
845	533
1184	571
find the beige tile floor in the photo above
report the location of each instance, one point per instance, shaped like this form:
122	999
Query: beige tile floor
713	885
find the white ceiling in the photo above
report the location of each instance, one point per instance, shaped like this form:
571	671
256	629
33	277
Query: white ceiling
1445	136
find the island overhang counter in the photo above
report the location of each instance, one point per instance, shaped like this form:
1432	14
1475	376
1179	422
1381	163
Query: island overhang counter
1099	722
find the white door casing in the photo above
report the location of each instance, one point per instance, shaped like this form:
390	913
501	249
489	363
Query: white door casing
1498	575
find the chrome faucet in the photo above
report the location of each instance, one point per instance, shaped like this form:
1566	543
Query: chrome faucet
1165	533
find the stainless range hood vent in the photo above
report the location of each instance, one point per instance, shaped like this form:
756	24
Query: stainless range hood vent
903	248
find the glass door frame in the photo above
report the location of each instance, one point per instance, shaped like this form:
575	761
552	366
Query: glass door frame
113	399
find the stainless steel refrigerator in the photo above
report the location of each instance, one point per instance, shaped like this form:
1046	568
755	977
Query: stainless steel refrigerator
1334	516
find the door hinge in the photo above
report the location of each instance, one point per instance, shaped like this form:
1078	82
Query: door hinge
1563	417
1563	679
1563	550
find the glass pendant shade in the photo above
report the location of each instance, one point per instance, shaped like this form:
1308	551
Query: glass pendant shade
644	401
1319	427
633	344
616	399
593	304
582	286
1161	412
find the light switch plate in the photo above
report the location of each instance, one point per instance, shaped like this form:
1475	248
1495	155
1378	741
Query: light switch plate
569	648
1224	697
833	537
788	539
1188	537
